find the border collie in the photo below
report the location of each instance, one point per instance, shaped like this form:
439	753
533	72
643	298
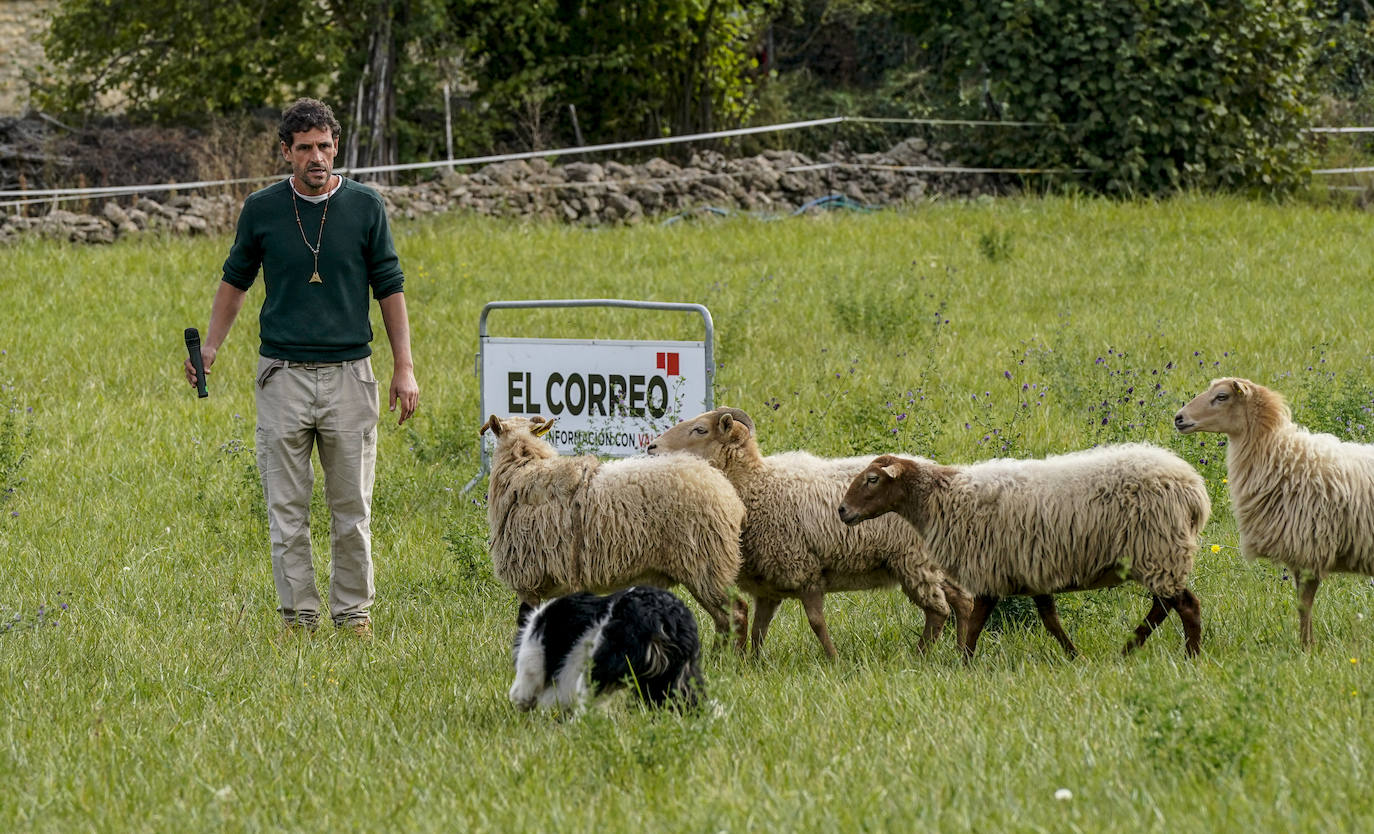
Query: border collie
571	649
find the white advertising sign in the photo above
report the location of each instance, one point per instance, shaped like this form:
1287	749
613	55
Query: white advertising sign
610	397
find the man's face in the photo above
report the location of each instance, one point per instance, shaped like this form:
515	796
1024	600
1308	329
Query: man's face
311	155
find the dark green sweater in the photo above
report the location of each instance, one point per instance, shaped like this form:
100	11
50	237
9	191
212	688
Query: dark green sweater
306	322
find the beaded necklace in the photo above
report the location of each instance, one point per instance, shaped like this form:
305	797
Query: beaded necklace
319	239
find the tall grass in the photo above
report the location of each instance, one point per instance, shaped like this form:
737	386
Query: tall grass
146	685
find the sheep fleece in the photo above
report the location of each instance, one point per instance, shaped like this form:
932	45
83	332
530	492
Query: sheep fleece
790	510
1036	526
564	524
1305	500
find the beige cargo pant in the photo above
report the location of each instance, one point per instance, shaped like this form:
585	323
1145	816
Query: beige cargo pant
332	407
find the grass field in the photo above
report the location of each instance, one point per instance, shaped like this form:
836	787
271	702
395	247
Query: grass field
144	684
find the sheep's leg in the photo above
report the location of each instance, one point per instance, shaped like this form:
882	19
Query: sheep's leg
764	609
1190	612
935	623
718	607
1307	592
1158	612
814	604
962	606
982	607
1049	615
935	619
740	619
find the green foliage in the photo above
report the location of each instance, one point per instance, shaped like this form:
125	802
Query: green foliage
172	60
1142	98
1324	400
631	69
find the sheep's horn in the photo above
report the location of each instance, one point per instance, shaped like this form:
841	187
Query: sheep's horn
742	416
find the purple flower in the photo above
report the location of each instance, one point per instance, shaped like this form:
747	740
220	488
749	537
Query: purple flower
1007	374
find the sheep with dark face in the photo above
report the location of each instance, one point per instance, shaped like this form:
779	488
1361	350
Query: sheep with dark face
1303	500
565	524
1035	528
793	546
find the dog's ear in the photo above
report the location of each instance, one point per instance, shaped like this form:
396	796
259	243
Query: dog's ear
523	615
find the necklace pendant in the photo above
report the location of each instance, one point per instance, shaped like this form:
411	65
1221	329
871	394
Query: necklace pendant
315	278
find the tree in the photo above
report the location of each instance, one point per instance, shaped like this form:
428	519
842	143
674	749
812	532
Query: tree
629	68
177	60
1146	97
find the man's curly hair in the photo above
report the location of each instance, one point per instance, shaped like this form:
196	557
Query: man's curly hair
306	114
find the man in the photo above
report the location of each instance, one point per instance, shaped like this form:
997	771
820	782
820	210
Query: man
322	243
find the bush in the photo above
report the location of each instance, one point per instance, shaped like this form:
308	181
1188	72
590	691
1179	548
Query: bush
1140	98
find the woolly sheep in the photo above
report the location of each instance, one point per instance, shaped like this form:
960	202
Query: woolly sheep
792	546
565	524
1035	528
1303	500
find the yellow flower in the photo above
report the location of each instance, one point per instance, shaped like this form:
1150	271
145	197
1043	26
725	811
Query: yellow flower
1354	660
1216	548
1225	481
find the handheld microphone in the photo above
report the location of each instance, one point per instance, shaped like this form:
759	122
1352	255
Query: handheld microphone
193	348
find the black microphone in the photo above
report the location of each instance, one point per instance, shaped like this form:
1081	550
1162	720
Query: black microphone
193	348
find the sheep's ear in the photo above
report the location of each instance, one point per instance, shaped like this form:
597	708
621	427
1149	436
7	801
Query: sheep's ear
725	423
494	423
1242	387
541	429
891	471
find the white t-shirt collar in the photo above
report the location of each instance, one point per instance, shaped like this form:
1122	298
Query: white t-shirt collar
309	198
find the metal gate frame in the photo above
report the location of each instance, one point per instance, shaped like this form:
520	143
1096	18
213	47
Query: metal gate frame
671	306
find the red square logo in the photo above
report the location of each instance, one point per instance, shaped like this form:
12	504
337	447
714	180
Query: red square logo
668	362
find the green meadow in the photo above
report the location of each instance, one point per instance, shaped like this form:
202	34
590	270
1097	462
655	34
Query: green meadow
145	683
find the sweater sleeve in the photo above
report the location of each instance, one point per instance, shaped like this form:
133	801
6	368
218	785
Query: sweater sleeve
383	266
245	256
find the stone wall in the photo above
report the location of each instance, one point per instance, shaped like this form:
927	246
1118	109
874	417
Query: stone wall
23	23
588	193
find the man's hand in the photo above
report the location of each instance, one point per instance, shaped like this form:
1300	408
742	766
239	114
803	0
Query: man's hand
403	390
207	357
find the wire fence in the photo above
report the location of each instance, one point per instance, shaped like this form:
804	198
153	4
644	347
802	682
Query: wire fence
24	197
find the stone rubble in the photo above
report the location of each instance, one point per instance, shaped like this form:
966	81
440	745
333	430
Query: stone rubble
586	193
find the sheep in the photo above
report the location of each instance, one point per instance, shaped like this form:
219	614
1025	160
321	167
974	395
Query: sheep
1071	522
792	546
565	524
1303	500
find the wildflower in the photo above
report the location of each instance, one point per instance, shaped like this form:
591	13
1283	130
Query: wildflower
1007	374
1354	660
1225	481
1216	548
1063	794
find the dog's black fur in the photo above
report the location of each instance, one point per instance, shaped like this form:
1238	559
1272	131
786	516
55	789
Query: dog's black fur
643	638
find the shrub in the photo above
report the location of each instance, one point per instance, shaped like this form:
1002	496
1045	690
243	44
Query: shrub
1138	97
